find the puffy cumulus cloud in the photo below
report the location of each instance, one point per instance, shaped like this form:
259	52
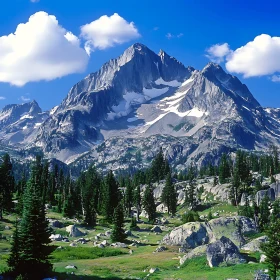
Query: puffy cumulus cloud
2	97
40	49
275	78
170	35
257	58
218	52
108	31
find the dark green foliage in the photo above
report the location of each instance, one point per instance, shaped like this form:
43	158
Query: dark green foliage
191	198
264	213
137	200
30	243
133	224
110	196
275	210
128	196
90	185
118	234
14	258
6	185
190	216
149	203
209	216
272	248
169	195
224	169
159	168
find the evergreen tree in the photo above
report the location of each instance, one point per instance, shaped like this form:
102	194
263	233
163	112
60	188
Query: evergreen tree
34	233
128	196
149	203
118	234
209	216
133	224
137	200
111	196
169	196
14	258
224	169
264	213
6	185
190	199
272	248
275	210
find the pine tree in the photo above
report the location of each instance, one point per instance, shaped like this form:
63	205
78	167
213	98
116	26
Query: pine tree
275	210
264	212
14	258
34	232
224	169
111	196
6	185
272	248
190	199
169	196
137	200
149	203
118	234
128	196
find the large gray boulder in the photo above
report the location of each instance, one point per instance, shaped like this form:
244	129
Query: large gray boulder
276	188
74	231
255	245
189	235
261	194
223	251
196	252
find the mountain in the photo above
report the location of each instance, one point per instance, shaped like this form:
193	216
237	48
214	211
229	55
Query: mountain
19	123
140	102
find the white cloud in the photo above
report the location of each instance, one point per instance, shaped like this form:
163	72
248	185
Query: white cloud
218	52
170	35
24	98
257	58
156	28
34	1
107	32
275	78
2	97
40	49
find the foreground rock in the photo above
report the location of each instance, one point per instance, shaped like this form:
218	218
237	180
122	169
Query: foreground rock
223	251
74	231
192	235
255	245
197	252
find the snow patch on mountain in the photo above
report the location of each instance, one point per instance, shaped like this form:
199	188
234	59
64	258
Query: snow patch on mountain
173	83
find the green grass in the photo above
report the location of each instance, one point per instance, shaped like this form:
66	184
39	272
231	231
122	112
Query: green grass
83	253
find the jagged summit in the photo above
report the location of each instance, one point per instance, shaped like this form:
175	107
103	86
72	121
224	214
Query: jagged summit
144	94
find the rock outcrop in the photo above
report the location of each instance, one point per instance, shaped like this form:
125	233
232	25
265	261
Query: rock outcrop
223	251
74	231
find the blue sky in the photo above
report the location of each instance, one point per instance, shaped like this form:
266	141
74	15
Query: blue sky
193	27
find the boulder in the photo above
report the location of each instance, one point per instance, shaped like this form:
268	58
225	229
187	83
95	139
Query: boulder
73	244
119	245
108	233
105	243
71	267
156	229
164	221
128	233
261	275
276	188
254	245
196	252
144	214
189	235
261	194
56	223
56	237
160	249
262	258
153	270
223	251
161	208
74	231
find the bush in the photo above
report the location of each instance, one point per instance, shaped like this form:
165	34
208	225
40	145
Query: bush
190	216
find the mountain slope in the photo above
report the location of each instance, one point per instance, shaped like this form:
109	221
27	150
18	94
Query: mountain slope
144	97
19	123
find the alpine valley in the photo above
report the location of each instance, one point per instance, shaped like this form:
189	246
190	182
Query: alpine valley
134	105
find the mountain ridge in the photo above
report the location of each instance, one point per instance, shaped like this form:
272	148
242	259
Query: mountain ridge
144	94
